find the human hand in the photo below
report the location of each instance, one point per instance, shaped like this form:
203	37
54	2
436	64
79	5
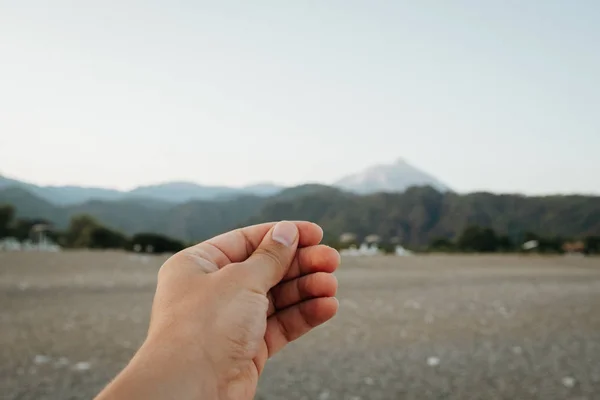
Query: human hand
224	306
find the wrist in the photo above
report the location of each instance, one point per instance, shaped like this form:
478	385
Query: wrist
158	371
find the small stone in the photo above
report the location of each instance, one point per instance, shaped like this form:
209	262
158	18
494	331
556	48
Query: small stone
40	359
369	381
517	350
82	366
324	395
568	381
433	361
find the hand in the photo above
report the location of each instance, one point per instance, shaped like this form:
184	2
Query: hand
224	306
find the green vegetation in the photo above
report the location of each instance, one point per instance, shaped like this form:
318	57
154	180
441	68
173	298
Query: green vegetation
84	232
485	240
420	218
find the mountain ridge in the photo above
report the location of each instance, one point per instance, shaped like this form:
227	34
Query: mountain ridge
394	177
415	216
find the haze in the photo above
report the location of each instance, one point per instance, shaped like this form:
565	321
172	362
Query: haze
495	95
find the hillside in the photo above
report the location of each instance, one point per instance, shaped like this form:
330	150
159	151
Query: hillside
422	214
416	216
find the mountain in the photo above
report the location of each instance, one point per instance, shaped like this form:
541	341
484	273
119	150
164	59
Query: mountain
171	192
180	192
421	214
196	219
416	216
62	195
395	177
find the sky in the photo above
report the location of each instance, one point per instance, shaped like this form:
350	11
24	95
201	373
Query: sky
491	95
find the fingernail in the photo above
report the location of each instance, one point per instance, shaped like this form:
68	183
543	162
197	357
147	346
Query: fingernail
285	233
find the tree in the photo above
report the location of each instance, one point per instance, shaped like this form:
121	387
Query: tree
475	238
442	244
158	243
104	238
22	228
387	247
592	244
505	244
7	213
79	233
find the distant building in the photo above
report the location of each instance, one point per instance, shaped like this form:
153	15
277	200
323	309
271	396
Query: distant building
372	239
530	245
577	247
348	237
363	250
10	244
401	251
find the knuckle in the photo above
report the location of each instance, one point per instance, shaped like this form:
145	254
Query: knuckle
269	255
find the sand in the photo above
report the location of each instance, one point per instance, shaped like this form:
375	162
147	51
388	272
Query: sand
424	327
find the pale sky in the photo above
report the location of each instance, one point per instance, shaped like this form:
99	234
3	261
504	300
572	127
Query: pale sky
485	95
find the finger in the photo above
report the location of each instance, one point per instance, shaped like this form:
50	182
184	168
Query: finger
269	263
237	245
311	259
289	324
206	258
308	260
286	294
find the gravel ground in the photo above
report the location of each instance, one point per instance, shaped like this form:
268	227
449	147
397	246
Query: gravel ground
427	327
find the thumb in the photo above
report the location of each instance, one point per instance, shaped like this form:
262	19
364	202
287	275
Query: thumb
269	263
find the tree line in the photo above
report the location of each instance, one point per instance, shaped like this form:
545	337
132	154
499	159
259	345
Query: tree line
84	232
486	240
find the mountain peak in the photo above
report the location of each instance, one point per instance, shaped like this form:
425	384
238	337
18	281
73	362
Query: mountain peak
395	177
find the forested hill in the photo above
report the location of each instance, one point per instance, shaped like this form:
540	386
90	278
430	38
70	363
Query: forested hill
416	216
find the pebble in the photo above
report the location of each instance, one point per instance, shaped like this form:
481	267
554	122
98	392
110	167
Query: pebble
40	359
433	361
568	381
82	366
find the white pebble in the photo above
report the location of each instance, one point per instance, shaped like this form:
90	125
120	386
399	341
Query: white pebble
324	395
40	359
568	381
369	381
517	350
433	361
82	366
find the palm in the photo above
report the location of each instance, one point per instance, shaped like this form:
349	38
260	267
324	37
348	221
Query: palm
301	301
